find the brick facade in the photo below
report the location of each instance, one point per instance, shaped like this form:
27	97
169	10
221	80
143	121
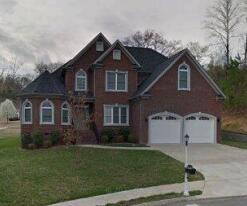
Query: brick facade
164	95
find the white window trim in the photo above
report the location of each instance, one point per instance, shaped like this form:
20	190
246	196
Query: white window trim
120	54
99	49
116	105
23	112
69	114
77	89
188	77
52	112
116	90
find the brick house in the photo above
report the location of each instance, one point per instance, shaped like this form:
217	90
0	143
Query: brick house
158	98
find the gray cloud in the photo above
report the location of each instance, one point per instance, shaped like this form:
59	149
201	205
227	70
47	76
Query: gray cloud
55	30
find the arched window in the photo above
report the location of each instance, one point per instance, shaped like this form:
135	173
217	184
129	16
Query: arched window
46	112
184	77
27	112
65	114
81	81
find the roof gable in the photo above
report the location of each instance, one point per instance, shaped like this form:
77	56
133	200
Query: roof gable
123	49
163	68
87	47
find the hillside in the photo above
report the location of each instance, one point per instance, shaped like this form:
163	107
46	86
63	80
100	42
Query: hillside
236	122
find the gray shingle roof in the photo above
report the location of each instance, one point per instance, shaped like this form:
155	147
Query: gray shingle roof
46	84
156	72
147	58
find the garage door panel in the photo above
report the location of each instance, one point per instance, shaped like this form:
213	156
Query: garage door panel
165	130
201	129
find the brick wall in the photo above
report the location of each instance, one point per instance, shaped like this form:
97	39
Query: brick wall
166	97
36	126
105	97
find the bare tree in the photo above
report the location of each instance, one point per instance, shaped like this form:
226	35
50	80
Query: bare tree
222	19
154	40
51	67
200	52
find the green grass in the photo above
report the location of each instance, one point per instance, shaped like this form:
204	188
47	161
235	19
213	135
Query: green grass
42	177
234	143
125	145
153	198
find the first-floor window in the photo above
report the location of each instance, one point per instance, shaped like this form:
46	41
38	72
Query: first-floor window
116	115
47	112
65	111
27	112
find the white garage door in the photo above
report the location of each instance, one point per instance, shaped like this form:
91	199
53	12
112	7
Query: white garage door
165	128
201	128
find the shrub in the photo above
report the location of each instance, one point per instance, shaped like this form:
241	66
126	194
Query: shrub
47	143
125	134
55	137
131	138
104	139
26	139
38	139
31	146
109	133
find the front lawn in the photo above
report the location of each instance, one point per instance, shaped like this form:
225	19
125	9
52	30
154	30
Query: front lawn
42	177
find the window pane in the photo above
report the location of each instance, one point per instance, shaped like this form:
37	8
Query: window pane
65	117
99	46
27	115
27	104
183	82
107	115
121	81
116	54
81	83
46	104
124	115
115	115
111	85
46	115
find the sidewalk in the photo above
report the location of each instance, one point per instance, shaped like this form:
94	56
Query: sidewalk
131	194
115	147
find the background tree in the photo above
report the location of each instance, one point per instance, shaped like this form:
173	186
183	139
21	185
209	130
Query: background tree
7	110
200	52
51	67
222	19
154	40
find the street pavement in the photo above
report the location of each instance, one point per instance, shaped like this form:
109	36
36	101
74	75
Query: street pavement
230	201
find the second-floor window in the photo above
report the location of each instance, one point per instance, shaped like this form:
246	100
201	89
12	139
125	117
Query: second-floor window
117	81
183	77
81	81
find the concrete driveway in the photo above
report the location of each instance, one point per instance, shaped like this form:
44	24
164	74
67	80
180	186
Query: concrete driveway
224	167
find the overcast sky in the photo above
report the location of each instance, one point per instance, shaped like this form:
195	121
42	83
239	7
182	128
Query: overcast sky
55	30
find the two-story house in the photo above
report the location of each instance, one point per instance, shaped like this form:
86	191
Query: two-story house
158	98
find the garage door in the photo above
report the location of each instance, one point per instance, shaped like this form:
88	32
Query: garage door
200	127
165	128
